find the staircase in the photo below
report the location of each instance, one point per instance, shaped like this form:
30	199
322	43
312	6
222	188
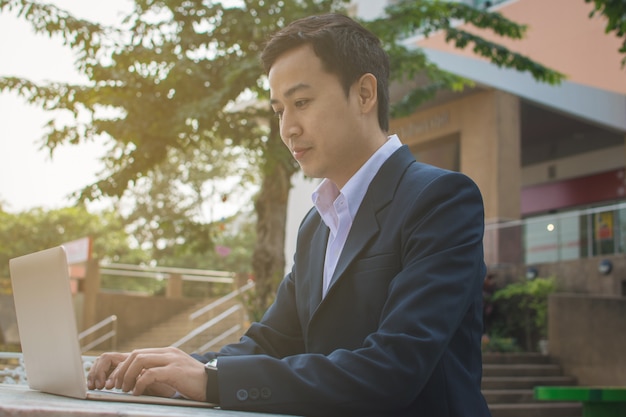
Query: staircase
509	379
176	327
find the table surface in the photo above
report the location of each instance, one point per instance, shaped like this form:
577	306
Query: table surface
584	394
19	400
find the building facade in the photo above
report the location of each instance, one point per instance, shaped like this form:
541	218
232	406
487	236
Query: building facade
549	159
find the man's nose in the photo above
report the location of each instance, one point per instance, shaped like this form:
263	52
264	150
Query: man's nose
289	127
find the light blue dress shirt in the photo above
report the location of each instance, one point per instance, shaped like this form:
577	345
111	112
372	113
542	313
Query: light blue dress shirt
338	207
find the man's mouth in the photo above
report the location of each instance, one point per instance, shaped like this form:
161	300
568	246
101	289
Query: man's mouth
298	153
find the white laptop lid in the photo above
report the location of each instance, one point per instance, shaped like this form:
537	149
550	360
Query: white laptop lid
46	323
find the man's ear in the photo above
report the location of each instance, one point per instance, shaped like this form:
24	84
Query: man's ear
368	92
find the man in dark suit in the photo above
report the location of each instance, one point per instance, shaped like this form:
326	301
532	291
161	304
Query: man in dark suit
381	313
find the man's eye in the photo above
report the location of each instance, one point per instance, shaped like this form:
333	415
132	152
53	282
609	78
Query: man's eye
301	103
278	114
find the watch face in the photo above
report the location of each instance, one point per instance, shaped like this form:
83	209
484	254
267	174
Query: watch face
212	364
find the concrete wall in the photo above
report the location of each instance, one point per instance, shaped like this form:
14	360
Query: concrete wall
588	163
579	276
587	334
490	144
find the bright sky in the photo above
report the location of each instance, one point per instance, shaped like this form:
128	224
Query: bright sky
28	176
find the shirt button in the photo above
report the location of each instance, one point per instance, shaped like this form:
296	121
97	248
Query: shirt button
242	395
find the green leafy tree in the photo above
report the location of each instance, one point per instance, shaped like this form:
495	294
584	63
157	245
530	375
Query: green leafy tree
38	229
177	75
615	12
233	244
170	212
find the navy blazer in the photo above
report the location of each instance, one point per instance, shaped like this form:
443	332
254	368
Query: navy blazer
399	331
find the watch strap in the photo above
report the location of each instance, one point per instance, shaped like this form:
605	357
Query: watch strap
212	387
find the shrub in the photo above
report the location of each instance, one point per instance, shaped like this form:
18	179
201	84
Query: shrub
496	343
523	311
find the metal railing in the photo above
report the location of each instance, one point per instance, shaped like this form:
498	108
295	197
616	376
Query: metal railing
164	272
110	335
218	339
196	332
202	328
220	301
562	236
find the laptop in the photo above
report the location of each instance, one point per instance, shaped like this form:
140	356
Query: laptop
48	333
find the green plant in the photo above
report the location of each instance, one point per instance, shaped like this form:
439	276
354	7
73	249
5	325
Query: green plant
496	343
523	310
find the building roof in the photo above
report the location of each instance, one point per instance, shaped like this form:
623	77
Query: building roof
562	36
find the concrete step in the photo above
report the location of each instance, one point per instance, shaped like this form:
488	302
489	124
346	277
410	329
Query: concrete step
510	396
548	409
509	379
524	382
178	326
524	369
516	358
164	333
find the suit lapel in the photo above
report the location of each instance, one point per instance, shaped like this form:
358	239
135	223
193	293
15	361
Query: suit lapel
364	228
316	264
366	225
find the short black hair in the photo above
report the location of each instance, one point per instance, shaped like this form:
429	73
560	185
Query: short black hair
345	48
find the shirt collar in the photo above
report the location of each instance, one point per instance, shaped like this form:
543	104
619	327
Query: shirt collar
356	187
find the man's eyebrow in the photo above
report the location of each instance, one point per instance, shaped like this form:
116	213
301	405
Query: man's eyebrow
292	91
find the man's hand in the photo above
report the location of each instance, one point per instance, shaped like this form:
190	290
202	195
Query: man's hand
102	368
161	372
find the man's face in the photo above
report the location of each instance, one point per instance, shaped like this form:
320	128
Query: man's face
320	125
